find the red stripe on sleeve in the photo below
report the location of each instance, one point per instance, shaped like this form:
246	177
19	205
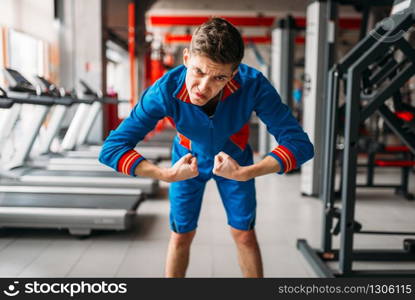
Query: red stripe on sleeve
284	160
290	154
126	161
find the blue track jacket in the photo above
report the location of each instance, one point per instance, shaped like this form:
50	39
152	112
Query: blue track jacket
228	130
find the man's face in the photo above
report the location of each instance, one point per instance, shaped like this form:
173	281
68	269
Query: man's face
204	77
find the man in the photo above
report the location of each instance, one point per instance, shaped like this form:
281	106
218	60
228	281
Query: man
210	99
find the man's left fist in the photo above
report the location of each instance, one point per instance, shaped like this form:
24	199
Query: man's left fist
227	167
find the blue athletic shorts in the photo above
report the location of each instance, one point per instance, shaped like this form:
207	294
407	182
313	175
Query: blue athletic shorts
238	198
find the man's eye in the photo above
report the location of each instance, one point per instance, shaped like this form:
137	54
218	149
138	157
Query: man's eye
199	71
220	78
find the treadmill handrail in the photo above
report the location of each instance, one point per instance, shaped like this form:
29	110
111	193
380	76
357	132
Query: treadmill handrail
31	99
83	101
4	102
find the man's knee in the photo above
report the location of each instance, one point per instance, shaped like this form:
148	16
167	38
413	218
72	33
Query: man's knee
182	240
245	238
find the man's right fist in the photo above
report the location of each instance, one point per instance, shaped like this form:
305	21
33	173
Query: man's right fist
184	168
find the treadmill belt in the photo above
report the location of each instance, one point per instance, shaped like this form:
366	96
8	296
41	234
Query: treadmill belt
69	201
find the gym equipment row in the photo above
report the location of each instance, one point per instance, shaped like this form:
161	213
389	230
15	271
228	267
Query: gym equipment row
78	210
80	201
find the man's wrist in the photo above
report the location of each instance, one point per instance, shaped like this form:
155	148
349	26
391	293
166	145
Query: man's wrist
266	166
147	169
244	173
166	174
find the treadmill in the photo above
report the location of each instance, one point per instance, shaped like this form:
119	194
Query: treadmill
78	211
37	174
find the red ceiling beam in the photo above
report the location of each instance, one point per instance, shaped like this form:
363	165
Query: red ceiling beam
344	23
197	20
185	38
177	38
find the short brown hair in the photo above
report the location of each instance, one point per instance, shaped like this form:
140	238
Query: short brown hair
220	41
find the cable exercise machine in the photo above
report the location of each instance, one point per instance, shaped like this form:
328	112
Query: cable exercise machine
387	37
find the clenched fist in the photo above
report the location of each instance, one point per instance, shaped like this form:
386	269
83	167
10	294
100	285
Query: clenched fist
184	168
227	167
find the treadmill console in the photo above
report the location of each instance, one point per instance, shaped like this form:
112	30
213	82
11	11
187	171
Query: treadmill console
46	84
17	83
87	89
47	87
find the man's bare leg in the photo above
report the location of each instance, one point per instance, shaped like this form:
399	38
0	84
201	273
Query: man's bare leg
178	253
249	255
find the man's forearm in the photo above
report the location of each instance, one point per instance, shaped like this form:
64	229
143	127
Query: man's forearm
266	166
147	169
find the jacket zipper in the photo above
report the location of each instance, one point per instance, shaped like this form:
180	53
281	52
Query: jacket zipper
211	127
211	136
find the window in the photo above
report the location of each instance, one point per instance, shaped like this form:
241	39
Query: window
26	53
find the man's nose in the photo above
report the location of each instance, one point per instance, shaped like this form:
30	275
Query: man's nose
203	85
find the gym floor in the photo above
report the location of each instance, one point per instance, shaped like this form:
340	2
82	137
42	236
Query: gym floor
283	216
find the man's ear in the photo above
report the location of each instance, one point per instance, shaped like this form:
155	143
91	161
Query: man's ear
186	56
